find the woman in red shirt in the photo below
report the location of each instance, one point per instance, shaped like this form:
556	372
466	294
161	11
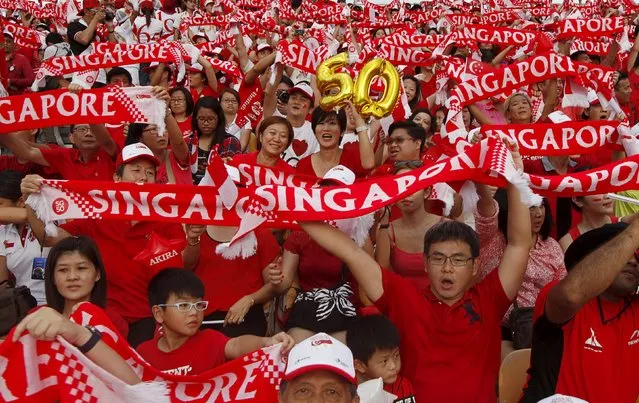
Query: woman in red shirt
329	127
233	281
274	135
174	162
181	104
202	79
596	211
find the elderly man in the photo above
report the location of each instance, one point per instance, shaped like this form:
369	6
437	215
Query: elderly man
320	369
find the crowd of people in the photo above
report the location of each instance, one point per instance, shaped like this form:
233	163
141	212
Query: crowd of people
432	293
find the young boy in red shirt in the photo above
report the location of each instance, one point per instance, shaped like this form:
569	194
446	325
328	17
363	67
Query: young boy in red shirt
374	342
175	296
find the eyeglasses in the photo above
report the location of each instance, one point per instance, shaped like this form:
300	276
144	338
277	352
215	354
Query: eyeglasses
398	140
455	260
150	129
178	100
203	119
230	101
81	129
187	306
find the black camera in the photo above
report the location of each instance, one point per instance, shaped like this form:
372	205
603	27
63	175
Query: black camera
109	14
283	96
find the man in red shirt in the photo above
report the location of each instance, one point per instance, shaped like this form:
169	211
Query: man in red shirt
121	241
91	158
623	92
586	326
451	335
19	72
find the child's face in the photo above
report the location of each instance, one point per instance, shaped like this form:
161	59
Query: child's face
384	364
176	321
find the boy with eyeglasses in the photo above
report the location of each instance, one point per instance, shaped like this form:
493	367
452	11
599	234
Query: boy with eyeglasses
175	296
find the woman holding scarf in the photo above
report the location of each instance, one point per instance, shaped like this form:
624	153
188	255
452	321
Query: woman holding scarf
329	127
274	135
209	126
75	276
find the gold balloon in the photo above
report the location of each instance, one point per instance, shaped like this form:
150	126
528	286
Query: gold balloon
361	98
327	79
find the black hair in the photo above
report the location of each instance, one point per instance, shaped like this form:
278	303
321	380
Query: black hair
369	334
452	231
86	247
52	38
10	185
118	71
187	96
413	129
426	111
210	103
134	134
578	53
418	91
622	76
179	282
286	80
501	197
231	91
320	116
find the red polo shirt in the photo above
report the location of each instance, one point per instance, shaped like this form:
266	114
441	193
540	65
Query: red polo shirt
586	358
450	353
67	162
119	243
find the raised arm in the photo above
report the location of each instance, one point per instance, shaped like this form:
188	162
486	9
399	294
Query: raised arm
550	98
13	215
32	184
179	148
105	140
364	268
84	37
592	275
632	58
259	68
211	79
22	149
270	92
515	260
366	153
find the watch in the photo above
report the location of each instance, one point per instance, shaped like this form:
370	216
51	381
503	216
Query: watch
95	338
361	129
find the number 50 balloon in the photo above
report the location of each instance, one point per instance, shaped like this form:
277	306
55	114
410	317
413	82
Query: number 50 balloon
328	79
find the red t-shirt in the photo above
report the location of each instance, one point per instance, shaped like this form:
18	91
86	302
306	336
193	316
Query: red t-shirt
202	352
403	389
632	113
317	268
586	358
440	343
226	281
350	158
186	127
119	243
66	161
13	163
181	174
206	92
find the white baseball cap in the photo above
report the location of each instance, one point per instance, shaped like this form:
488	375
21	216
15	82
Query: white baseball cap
340	175
135	151
264	46
303	88
320	352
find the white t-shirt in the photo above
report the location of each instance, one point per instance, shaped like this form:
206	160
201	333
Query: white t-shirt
234	130
20	259
148	34
304	144
168	23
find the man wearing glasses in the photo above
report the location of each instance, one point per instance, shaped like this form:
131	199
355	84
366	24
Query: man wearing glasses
82	31
451	333
175	296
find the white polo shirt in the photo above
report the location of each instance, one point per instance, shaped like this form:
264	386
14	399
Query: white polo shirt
20	248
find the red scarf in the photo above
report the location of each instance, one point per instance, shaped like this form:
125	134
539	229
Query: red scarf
111	105
110	55
584	28
22	36
43	371
559	139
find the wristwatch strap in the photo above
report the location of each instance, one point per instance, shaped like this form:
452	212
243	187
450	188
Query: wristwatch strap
95	338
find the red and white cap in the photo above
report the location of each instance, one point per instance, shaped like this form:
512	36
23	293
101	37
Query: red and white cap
338	175
320	352
264	46
195	67
593	99
134	151
89	4
303	88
